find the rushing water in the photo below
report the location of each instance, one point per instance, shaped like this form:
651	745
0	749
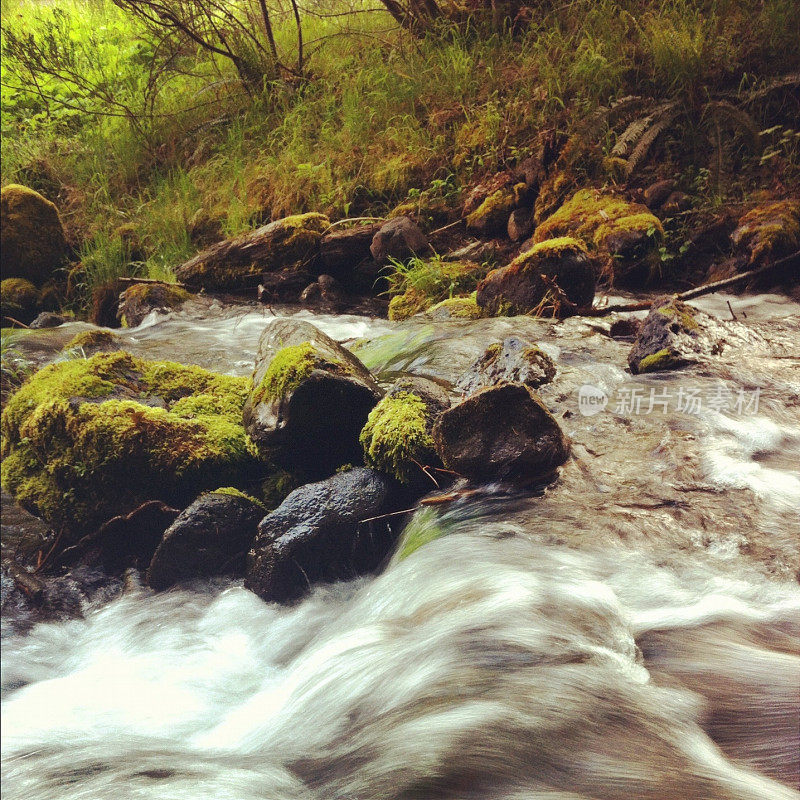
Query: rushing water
632	631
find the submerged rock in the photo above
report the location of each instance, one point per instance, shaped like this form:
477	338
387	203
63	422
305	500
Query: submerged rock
211	537
397	437
32	241
512	361
88	439
310	399
47	319
137	301
398	238
551	278
284	246
319	534
628	233
501	433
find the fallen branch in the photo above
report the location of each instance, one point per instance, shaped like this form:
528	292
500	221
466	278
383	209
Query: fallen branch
708	288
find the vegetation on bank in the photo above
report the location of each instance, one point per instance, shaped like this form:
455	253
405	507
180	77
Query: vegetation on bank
153	146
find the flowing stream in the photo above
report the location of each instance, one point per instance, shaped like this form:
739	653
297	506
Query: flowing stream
631	631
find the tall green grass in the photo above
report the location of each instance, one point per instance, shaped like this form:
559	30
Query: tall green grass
380	117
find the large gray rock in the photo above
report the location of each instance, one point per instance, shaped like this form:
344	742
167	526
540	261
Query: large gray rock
514	361
319	534
310	400
501	433
211	537
399	238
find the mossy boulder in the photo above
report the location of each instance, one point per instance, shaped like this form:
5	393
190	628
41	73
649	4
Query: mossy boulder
310	399
403	306
552	194
456	308
768	232
397	437
86	439
490	218
211	537
287	245
628	234
551	279
19	299
514	360
501	433
137	301
93	341
32	241
673	335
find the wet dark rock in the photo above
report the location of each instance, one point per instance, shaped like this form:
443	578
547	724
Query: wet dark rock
19	301
211	537
513	361
657	193
310	400
557	271
318	535
325	293
479	252
27	599
624	328
284	286
47	319
398	238
520	224
501	433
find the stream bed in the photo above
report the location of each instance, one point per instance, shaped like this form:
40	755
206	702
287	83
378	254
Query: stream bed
631	630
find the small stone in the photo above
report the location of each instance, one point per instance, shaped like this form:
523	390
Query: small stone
47	319
520	224
657	193
398	238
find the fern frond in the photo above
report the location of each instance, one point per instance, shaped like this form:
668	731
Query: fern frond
642	149
722	109
783	82
636	129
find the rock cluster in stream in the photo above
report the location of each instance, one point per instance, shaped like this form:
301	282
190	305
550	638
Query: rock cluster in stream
109	448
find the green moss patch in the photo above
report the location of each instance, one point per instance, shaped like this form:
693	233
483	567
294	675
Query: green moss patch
93	341
84	440
457	308
396	437
663	359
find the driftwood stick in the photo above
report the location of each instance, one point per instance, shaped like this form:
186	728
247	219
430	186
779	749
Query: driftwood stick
708	288
152	281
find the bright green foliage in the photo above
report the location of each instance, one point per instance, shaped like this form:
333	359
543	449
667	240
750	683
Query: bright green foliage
396	439
424	527
232	491
287	370
86	439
